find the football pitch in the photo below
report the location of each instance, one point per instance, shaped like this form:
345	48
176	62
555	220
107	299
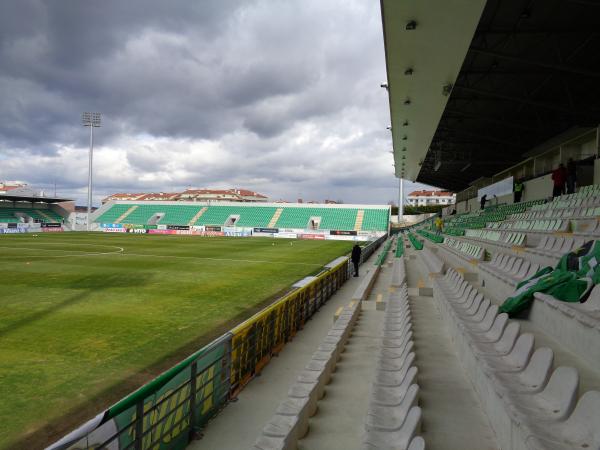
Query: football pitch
85	318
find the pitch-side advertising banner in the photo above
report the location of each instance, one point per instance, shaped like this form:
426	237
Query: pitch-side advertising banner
237	232
311	236
286	235
114	230
12	230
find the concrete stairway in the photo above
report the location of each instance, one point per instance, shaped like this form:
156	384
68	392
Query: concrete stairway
197	216
275	218
126	213
359	220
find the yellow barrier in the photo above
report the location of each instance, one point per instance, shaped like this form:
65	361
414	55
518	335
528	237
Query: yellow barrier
264	334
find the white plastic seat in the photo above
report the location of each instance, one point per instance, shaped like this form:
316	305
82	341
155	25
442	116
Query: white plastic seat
501	346
555	402
418	443
484	325
396	343
390	353
393	395
394	378
398	439
530	380
479	315
515	361
581	430
391	418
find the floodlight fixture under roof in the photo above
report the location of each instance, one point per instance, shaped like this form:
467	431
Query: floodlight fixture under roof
411	25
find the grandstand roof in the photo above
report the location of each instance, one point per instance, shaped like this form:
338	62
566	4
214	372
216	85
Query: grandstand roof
515	76
32	199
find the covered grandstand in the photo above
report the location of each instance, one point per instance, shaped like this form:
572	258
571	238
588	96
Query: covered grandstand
293	220
481	335
26	212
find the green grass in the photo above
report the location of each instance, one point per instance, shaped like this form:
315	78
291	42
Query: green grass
79	329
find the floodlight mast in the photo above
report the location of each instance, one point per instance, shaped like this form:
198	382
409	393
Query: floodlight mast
92	120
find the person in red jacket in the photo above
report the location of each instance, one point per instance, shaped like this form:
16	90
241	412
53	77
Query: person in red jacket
559	177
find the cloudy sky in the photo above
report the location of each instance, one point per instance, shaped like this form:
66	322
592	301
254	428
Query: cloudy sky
281	97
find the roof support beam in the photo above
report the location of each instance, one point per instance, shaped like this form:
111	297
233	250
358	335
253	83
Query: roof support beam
479	117
484	137
520	100
557	67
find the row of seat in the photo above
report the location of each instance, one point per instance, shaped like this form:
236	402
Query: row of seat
556	246
510	269
570	201
530	405
587	228
398	271
431	261
532	225
575	325
290	422
503	238
591	211
465	249
393	418
12	215
249	216
291	419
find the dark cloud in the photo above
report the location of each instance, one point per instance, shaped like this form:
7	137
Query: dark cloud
277	96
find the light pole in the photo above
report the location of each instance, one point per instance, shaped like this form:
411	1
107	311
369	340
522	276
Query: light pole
92	120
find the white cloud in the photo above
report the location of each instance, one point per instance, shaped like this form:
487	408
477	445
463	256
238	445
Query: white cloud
279	97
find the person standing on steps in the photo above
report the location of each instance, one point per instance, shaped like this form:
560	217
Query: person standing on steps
559	178
518	191
439	225
355	258
482	201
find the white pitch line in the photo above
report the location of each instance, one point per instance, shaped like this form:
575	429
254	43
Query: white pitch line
71	252
121	251
222	259
69	243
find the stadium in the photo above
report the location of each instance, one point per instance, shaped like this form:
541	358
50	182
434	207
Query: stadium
202	319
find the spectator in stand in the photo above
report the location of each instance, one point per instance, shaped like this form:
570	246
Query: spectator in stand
518	190
355	257
482	201
571	176
439	225
559	177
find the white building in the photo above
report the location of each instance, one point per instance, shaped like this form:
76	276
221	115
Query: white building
431	198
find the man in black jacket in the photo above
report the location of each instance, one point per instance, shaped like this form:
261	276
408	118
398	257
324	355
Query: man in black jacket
356	251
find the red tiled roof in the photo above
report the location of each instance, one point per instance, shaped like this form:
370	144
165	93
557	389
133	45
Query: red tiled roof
242	192
9	188
158	195
237	194
124	194
431	194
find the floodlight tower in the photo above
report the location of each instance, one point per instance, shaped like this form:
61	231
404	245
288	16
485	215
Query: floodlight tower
92	120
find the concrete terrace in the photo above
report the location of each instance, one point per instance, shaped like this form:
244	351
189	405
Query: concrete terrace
452	417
